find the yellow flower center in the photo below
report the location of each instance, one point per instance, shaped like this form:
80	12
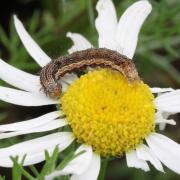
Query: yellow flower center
109	113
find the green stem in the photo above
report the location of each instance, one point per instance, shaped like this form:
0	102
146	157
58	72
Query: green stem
104	163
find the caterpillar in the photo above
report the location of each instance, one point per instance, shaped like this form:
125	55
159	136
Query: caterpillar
51	74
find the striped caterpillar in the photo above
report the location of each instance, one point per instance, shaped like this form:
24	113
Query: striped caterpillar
77	61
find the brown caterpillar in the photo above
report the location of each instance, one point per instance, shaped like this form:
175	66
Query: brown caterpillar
94	57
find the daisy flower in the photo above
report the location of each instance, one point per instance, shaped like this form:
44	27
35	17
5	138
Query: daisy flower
108	115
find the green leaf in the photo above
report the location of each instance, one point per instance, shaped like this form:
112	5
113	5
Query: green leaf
20	169
34	170
50	163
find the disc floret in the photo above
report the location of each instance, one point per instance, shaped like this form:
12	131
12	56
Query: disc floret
108	112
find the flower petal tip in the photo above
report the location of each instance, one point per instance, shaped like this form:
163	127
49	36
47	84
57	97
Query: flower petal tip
69	34
31	46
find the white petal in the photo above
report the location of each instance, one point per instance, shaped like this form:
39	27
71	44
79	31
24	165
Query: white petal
166	150
31	46
106	23
92	171
162	115
169	102
32	123
24	98
144	153
43	128
133	161
80	42
18	78
77	165
34	149
166	121
161	118
162	126
129	26
161	90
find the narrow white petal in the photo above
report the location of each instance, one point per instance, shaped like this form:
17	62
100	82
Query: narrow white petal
169	102
166	121
34	149
43	128
24	98
162	126
106	23
144	153
36	145
162	115
18	78
32	123
134	161
92	171
161	118
80	42
77	165
166	150
31	46
161	90
129	26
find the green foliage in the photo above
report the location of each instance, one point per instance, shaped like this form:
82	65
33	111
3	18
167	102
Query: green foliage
52	163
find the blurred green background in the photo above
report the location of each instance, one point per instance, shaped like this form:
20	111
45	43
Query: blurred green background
157	56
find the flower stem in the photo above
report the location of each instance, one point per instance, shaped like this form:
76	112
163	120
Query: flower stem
104	163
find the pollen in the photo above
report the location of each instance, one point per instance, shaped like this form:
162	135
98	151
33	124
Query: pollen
108	112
